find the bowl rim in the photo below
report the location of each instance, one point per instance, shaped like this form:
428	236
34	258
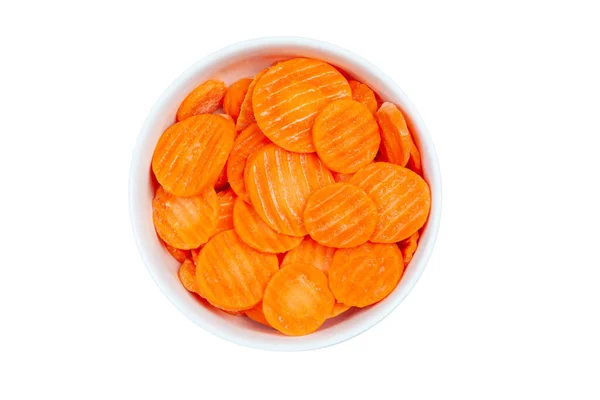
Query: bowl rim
432	173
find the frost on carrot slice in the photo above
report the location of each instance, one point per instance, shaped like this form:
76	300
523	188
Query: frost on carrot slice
408	247
395	137
185	222
256	233
310	252
187	275
226	199
191	154
339	308
366	274
401	196
279	184
246	115
178	254
363	94
289	96
346	136
340	215
232	275
232	103
256	314
298	300
205	99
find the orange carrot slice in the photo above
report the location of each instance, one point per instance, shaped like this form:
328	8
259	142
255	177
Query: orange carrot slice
339	177
195	252
256	233
246	115
395	137
297	300
256	314
230	274
408	247
340	215
414	162
401	196
185	222
250	140
221	180
191	154
310	252
363	94
234	97
279	183
205	99
289	96
225	213
346	136
178	254
338	308
366	274
187	275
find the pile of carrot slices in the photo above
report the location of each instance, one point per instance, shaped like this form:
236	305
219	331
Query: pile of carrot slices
289	197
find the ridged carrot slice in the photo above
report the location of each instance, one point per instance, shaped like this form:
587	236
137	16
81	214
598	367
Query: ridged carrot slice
249	140
256	314
366	274
297	300
185	222
310	252
279	183
414	162
205	99
401	196
178	254
234	97
190	155
231	275
339	308
408	247
225	213
395	137
340	215
339	177
246	116
256	233
187	275
363	94
289	96
346	136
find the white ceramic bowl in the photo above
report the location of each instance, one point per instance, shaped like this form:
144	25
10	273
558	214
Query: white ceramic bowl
229	64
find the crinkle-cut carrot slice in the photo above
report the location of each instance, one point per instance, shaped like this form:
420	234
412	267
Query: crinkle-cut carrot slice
205	99
365	274
249	140
246	116
234	97
225	213
414	162
401	196
395	137
190	155
310	252
340	215
185	222
339	308
298	300
222	180
232	275
279	183
178	254
187	275
256	314
256	233
195	252
339	177
408	247
363	94
289	96
346	136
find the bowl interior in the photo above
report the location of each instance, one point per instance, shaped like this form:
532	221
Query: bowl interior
232	63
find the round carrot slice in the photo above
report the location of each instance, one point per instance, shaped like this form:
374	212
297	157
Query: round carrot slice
185	222
190	155
256	233
339	308
289	96
178	254
346	136
363	94
395	137
226	199
310	252
230	274
246	116
205	99
339	177
250	140
256	314
297	300
401	196
414	162
279	183
364	275
340	215
187	275
234	97
408	247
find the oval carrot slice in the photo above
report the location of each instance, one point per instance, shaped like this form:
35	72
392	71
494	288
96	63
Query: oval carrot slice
185	222
414	162
339	177
178	254
297	300
279	183
395	137
190	155
226	199
401	196
340	215
408	247
250	140
187	275
246	115
366	274
364	95
222	180
256	233
338	308
289	96
256	314
310	252
234	97
346	136
205	99
230	274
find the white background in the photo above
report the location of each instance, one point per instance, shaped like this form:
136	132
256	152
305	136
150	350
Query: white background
509	304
